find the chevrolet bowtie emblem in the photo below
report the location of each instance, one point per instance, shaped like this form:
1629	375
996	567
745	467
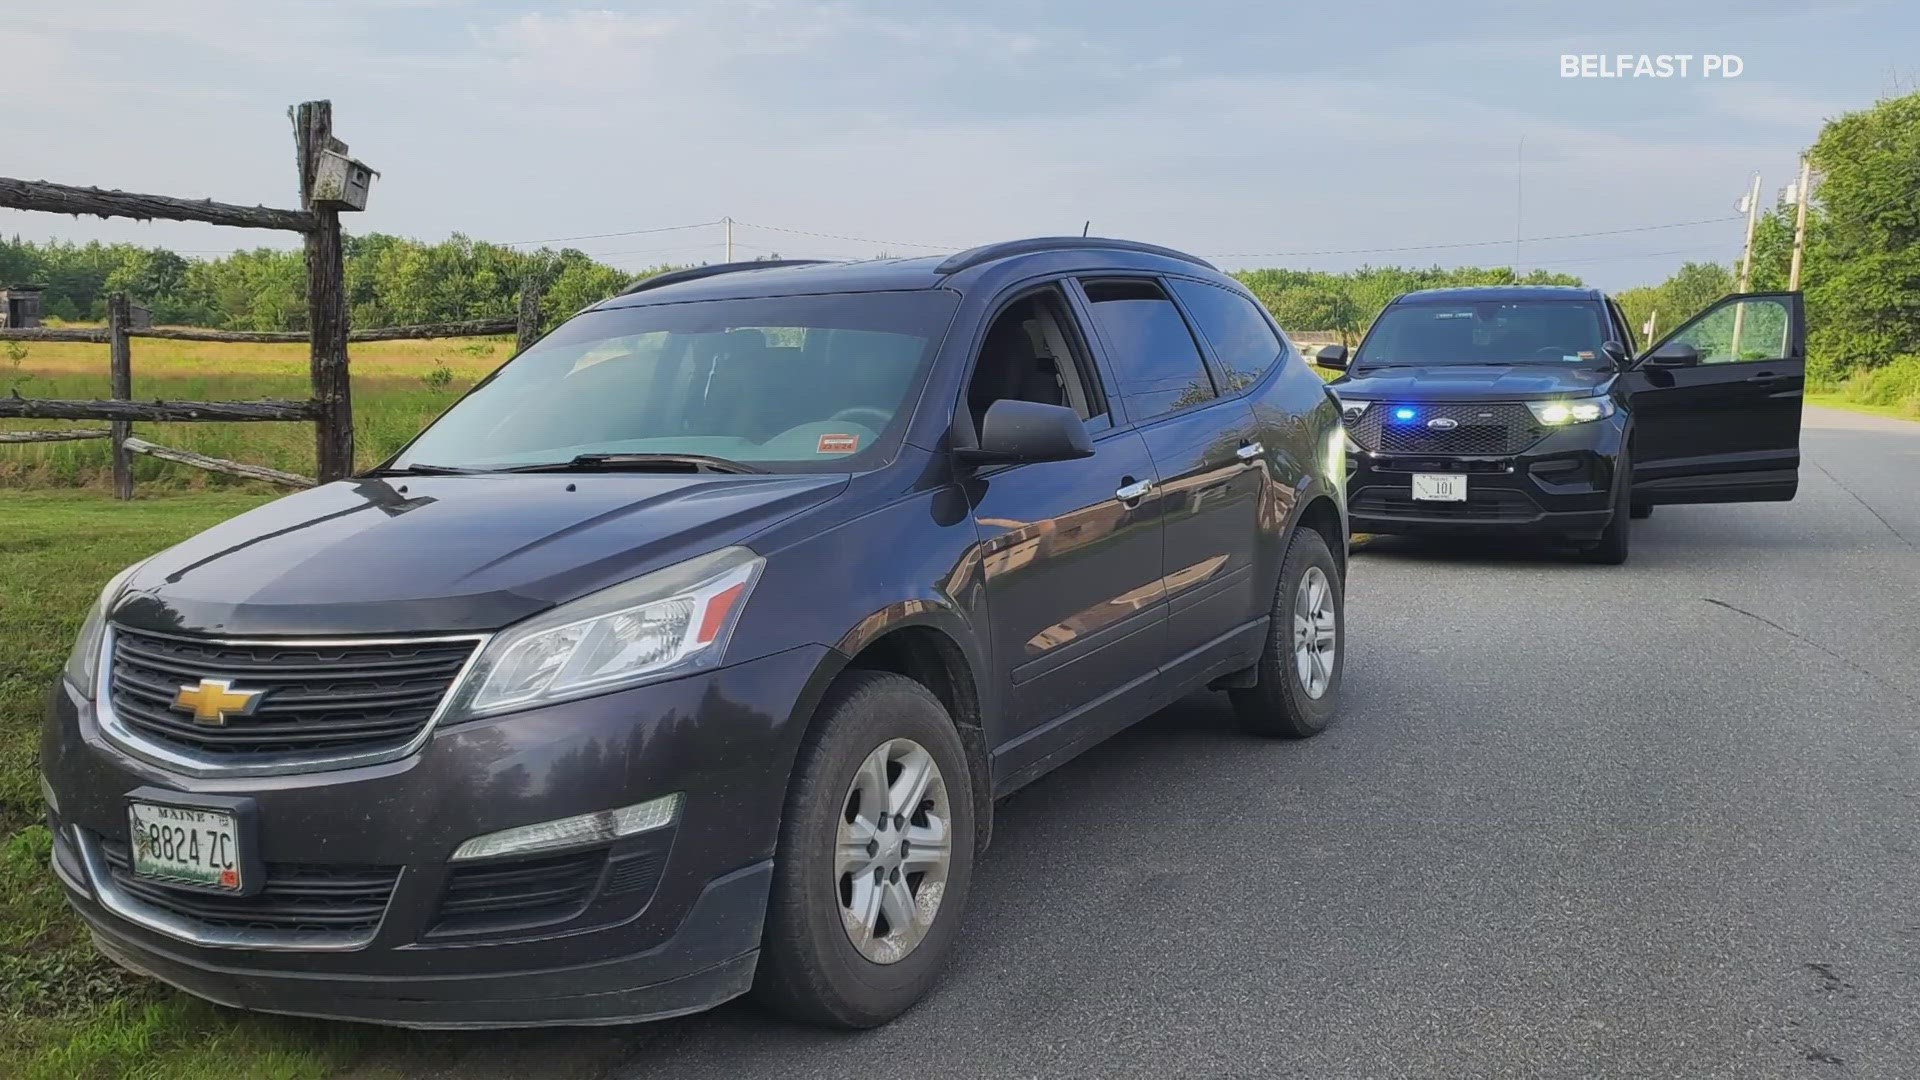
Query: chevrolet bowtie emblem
214	700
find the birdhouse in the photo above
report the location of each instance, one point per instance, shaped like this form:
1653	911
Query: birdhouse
340	182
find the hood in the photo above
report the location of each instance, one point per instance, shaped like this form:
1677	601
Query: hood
447	553
1476	382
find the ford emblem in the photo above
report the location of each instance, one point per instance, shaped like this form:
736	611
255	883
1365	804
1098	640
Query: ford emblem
1443	423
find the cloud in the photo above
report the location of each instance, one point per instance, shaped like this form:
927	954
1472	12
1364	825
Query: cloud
1218	125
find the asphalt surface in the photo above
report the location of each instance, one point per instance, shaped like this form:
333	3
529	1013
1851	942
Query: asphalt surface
1652	820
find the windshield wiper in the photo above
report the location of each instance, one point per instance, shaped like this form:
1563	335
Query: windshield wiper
423	469
640	463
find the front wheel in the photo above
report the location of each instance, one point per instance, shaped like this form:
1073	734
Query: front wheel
875	855
1611	549
1297	684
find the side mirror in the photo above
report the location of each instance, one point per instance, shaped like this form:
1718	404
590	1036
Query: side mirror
1674	354
1617	353
1027	431
1332	356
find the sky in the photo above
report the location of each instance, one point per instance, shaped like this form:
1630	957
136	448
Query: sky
1254	133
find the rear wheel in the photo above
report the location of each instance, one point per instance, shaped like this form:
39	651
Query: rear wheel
875	856
1297	681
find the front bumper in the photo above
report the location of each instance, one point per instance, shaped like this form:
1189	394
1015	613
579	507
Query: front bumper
653	925
1561	485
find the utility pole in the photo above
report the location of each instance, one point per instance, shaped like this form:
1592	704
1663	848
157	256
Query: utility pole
1519	192
728	222
1800	193
1746	262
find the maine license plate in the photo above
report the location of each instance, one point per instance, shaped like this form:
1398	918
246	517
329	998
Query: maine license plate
187	844
1440	487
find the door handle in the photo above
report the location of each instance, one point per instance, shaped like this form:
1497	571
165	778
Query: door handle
1133	492
1250	452
1763	377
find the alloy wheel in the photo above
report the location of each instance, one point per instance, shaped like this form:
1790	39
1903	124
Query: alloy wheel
1316	632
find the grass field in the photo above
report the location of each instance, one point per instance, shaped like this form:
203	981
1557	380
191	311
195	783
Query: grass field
397	386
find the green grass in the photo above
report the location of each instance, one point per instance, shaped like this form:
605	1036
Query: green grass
1841	401
1891	389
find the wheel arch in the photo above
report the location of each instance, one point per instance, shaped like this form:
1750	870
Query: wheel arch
930	645
1321	512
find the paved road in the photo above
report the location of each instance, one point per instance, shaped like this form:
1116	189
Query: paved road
1657	820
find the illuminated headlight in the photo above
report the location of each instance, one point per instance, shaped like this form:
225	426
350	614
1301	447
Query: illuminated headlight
83	663
1575	411
595	828
664	624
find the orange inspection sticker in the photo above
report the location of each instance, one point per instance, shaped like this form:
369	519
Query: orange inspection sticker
838	444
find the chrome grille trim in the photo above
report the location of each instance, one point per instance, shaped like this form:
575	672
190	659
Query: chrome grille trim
186	761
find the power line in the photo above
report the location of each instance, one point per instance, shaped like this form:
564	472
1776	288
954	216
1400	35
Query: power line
1473	243
604	235
1630	255
855	239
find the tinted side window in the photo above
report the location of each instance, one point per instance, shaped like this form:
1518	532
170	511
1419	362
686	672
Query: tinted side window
1155	361
1242	339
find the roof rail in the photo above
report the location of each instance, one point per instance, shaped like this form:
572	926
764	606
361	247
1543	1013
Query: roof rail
1006	248
695	273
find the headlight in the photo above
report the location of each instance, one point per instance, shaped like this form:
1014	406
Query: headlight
1352	409
666	623
84	662
1575	411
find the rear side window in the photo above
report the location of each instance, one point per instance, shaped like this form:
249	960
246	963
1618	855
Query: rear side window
1156	364
1242	339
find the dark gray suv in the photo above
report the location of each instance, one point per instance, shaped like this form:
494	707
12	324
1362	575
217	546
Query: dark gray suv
688	653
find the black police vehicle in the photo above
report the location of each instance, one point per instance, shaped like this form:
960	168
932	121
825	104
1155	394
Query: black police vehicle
688	653
1526	409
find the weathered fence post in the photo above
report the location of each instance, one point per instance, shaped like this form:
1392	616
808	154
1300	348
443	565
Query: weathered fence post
120	365
527	322
326	301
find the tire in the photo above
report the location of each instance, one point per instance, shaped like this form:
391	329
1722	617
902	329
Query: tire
1281	703
810	966
1612	547
1642	511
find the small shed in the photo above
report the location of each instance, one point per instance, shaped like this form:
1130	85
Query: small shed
20	306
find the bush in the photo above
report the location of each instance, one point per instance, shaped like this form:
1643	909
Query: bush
1893	385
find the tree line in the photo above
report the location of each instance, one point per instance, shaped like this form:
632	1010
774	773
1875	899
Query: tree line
391	281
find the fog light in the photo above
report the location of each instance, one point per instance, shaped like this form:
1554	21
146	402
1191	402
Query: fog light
595	828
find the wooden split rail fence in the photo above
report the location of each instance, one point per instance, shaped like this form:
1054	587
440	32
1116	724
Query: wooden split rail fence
122	411
330	408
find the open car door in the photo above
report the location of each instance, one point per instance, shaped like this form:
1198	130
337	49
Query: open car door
1716	404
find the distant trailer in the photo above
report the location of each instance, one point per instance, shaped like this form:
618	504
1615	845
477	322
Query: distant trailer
20	306
139	316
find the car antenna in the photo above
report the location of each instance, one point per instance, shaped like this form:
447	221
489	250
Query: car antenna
1087	225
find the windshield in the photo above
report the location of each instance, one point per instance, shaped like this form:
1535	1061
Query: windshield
800	383
1486	332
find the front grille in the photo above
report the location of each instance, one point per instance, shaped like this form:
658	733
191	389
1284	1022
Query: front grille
315	698
1483	429
499	895
320	897
1485	504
